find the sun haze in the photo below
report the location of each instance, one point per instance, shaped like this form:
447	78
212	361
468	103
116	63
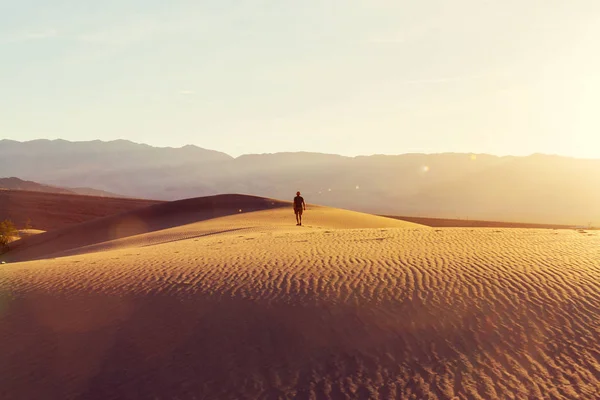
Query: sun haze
146	268
359	77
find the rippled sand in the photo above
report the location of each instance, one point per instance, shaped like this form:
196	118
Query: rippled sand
249	306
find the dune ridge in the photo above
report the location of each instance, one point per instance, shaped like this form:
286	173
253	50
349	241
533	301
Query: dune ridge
348	308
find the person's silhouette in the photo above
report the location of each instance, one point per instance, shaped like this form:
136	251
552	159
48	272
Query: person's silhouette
299	207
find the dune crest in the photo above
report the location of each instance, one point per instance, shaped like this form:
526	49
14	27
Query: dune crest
188	218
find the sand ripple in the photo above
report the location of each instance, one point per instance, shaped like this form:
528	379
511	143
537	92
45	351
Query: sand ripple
309	313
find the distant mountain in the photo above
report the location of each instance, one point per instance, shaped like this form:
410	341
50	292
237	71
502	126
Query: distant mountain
535	189
19	184
14	183
85	191
118	166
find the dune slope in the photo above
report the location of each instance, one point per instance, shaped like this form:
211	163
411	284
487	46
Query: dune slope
51	211
260	310
156	217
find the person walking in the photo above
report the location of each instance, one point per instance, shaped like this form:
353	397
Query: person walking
299	208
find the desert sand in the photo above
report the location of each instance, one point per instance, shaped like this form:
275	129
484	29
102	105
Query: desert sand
49	211
470	223
24	233
225	298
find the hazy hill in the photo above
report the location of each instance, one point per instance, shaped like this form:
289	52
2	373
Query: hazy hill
19	184
119	166
14	183
538	188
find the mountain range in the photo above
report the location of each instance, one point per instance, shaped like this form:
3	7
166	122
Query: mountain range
537	188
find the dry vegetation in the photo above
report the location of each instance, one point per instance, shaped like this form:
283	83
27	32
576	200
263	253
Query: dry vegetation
8	233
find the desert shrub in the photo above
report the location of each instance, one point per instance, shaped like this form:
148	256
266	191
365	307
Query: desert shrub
7	232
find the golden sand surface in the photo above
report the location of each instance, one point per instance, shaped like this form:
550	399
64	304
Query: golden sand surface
23	233
246	305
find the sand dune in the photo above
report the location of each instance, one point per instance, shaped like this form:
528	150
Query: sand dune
50	211
348	307
185	219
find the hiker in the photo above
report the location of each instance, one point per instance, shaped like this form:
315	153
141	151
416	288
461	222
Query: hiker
299	207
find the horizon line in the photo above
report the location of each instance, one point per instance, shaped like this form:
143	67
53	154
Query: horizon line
303	151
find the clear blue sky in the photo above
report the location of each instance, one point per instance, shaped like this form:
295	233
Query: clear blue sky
346	77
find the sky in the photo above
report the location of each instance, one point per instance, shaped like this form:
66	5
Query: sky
346	77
